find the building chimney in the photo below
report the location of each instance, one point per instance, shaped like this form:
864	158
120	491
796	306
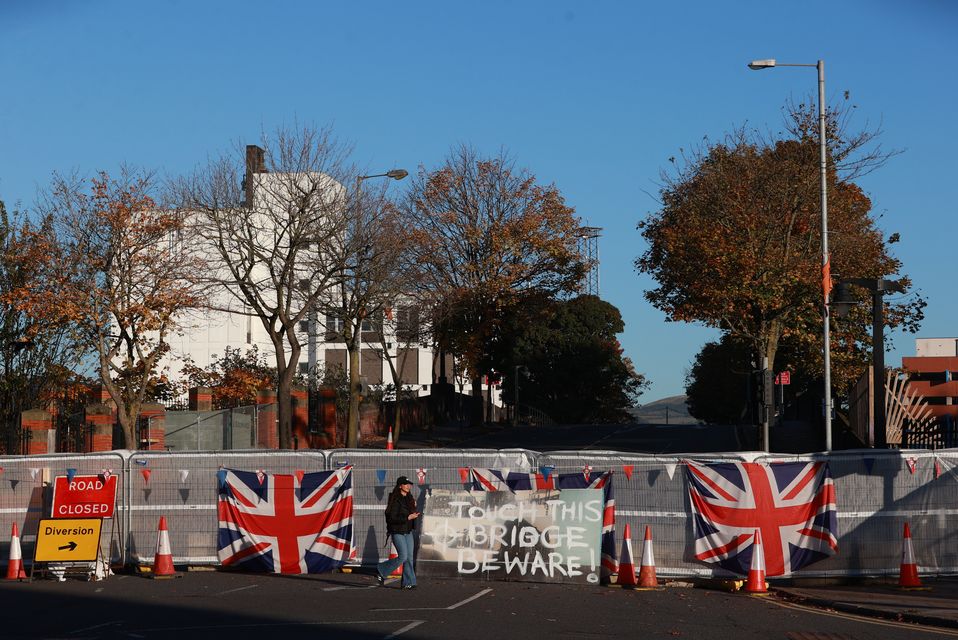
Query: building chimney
255	163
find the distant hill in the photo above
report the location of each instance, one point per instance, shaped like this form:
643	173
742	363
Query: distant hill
671	410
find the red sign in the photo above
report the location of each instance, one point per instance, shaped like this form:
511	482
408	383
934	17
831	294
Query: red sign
785	377
85	497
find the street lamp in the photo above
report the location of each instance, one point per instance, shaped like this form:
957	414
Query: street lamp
352	428
842	302
757	65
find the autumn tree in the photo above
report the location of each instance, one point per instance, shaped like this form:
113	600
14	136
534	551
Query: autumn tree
736	243
484	234
572	365
277	238
121	271
234	379
37	353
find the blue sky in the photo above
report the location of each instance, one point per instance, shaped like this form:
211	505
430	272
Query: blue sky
593	96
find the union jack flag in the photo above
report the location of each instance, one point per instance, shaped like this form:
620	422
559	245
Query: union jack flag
792	504
286	523
503	480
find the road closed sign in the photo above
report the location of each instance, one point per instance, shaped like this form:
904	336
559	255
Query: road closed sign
84	497
62	540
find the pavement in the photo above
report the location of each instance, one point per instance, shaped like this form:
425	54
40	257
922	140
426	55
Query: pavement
936	604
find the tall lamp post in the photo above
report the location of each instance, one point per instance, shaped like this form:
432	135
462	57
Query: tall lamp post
352	428
756	65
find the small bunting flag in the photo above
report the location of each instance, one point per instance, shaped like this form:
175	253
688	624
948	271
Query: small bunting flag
546	470
464	474
912	463
869	465
937	468
421	474
381	476
34	472
670	469
299	473
1	469
628	469
184	474
260	475
13	484
146	475
71	474
105	474
221	477
586	470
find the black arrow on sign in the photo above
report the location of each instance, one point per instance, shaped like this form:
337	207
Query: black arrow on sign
71	546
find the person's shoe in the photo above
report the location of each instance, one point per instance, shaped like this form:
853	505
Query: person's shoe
381	580
410	586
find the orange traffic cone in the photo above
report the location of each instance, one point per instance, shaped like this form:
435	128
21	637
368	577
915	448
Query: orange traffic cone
389	440
647	579
756	572
908	572
163	560
394	554
626	565
15	566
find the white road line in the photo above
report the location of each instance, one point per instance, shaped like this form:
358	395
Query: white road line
96	626
408	627
449	608
250	586
347	587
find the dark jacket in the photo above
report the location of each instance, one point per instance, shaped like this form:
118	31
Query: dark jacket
398	510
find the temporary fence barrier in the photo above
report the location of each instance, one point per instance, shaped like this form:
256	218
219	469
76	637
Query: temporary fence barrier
876	490
26	483
375	473
183	487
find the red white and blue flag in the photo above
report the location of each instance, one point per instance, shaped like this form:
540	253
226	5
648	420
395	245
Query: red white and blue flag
285	523
504	480
792	504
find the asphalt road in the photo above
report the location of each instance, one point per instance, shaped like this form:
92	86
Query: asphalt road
218	604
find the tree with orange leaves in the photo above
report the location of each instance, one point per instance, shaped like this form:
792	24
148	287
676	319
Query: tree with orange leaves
736	243
485	233
118	269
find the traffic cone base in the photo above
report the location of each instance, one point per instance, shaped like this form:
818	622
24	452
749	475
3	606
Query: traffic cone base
389	440
756	585
647	579
15	565
163	559
626	577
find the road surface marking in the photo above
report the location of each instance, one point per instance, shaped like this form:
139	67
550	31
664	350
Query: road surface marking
251	586
449	608
408	627
911	626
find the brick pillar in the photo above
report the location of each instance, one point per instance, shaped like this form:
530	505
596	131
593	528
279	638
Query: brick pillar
267	435
201	399
99	395
99	421
37	426
152	421
300	418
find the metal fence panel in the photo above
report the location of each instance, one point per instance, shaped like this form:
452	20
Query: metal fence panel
183	487
26	485
441	471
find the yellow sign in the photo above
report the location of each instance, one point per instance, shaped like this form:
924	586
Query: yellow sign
66	540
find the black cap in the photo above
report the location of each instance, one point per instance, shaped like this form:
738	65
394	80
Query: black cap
401	480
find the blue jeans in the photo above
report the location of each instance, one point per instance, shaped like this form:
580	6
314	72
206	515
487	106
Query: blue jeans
404	549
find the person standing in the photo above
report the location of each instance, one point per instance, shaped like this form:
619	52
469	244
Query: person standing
401	517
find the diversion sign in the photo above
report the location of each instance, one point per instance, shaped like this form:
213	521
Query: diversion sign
533	536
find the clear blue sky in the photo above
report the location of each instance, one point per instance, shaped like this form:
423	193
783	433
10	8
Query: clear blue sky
593	96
